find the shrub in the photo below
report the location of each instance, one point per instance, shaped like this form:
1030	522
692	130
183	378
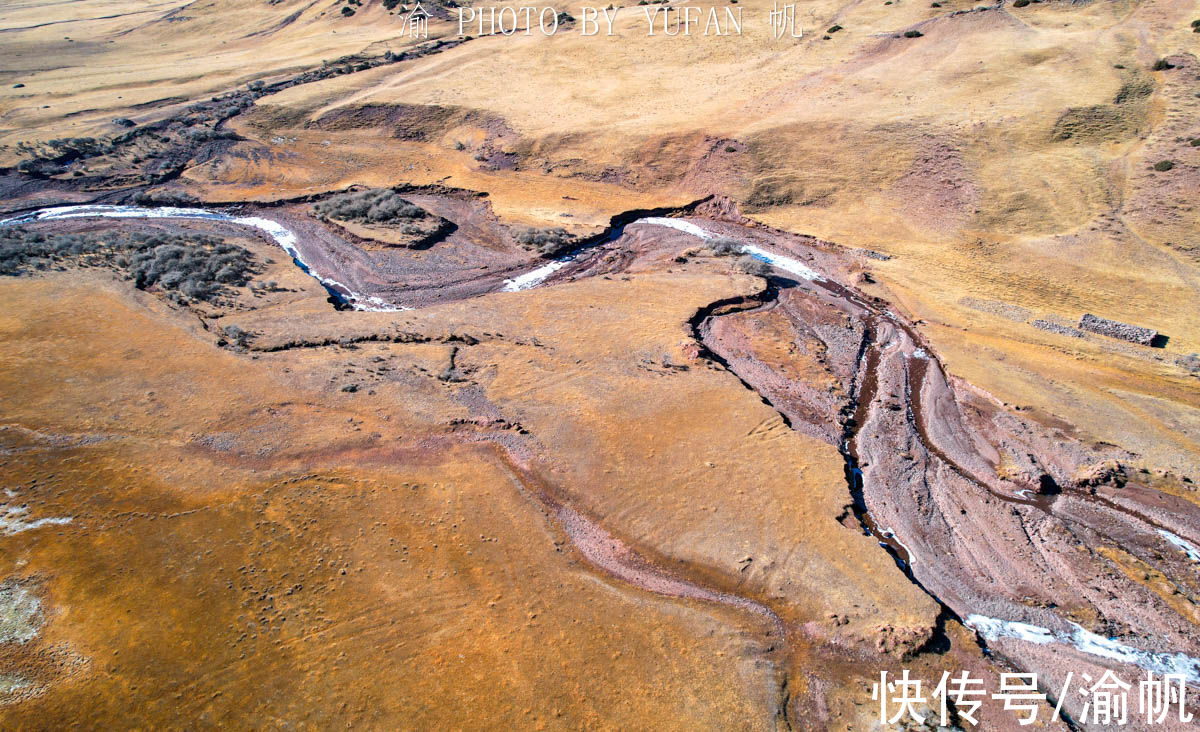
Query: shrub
723	246
375	206
347	11
913	34
1194	142
730	148
235	334
196	265
1163	166
1162	65
546	242
752	265
834	29
1020	3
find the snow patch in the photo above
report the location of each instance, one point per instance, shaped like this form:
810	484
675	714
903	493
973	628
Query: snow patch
912	556
1192	552
1090	643
787	264
13	521
686	227
534	277
20	613
10	684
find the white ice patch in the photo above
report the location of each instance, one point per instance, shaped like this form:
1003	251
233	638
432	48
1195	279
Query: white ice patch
13	521
1192	552
1090	643
533	278
992	628
278	232
686	227
912	556
787	264
20	613
921	353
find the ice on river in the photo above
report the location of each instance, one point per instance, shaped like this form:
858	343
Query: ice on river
787	264
1090	643
282	236
1192	552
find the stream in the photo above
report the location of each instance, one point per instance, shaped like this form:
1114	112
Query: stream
986	628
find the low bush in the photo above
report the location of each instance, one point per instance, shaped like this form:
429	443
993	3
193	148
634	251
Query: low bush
752	265
1163	166
723	247
913	34
1162	65
546	242
375	206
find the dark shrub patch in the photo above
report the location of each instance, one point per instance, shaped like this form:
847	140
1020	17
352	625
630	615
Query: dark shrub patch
376	206
546	242
913	34
752	265
724	246
194	266
1162	65
1163	166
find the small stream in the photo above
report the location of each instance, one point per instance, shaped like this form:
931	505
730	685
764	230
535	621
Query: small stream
985	627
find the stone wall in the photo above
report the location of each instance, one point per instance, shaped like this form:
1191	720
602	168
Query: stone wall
1113	329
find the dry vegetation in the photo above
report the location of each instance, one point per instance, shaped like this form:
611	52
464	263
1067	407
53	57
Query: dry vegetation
186	266
337	519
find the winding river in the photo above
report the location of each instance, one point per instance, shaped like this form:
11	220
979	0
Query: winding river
986	627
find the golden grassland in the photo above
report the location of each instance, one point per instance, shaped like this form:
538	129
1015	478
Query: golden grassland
291	534
1002	157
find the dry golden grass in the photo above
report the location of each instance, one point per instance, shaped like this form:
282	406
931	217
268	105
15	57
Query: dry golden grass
289	535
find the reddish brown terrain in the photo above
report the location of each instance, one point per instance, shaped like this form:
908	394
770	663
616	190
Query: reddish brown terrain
345	393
